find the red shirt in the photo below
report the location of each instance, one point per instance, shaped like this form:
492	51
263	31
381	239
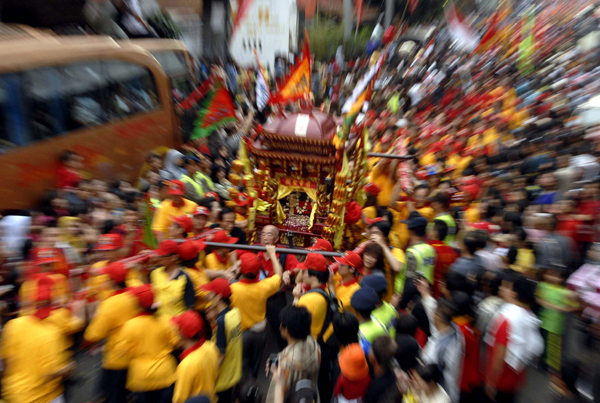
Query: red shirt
567	226
267	265
586	230
471	376
350	389
509	380
66	178
446	255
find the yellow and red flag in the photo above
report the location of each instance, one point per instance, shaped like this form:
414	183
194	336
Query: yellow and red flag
297	85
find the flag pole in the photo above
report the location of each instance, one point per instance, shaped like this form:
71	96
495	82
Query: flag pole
404	12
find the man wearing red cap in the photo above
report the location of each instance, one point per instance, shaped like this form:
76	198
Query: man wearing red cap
190	253
346	279
45	260
107	248
172	286
199	367
218	263
181	227
270	236
111	315
227	336
241	211
318	301
200	218
175	205
148	341
33	353
250	295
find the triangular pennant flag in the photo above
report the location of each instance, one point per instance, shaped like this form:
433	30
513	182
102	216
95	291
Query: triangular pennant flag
218	110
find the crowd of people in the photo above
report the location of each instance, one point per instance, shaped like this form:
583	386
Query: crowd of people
464	266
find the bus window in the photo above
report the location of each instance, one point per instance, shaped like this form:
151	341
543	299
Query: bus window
63	99
13	125
131	89
175	66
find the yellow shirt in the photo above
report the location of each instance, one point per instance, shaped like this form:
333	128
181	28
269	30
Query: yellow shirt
99	287
525	262
197	373
390	275
228	338
31	350
382	180
198	279
148	341
398	237
170	292
427	212
27	293
472	213
162	216
107	323
212	262
427	159
251	299
317	306
67	324
344	292
462	164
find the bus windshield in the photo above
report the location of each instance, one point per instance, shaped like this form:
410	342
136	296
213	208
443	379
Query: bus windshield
177	69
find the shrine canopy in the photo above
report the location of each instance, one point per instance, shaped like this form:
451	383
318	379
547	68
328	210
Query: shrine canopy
306	124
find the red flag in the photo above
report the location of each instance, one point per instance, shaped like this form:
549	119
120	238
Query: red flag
360	11
218	110
297	85
488	37
412	5
243	7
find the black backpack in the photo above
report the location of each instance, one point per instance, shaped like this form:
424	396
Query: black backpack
333	308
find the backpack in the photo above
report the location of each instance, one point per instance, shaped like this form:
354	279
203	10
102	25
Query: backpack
333	308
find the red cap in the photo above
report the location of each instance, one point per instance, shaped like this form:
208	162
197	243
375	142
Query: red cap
110	242
201	210
322	244
212	194
46	256
219	286
222	237
176	188
314	261
116	271
184	222
249	264
374	220
385	114
241	199
371	114
167	247
381	126
189	323
189	249
144	295
372	189
351	259
353	213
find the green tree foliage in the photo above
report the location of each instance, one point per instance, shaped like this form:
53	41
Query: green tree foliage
328	35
